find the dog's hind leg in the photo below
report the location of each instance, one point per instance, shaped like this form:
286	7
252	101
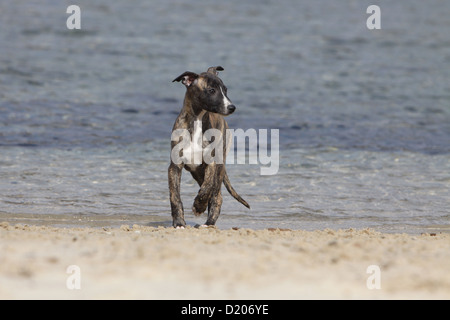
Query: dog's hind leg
210	186
215	200
214	205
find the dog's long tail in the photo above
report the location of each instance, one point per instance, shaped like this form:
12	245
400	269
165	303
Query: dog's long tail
227	183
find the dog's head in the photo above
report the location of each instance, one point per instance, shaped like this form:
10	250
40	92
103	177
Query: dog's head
207	90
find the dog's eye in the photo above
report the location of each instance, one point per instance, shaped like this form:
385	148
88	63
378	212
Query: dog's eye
211	90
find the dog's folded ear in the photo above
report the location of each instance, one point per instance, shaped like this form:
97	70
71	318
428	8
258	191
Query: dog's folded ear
214	70
186	78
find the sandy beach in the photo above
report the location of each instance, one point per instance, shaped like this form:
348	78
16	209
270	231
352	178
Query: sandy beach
138	262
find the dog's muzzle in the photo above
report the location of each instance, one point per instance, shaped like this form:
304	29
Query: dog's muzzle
231	108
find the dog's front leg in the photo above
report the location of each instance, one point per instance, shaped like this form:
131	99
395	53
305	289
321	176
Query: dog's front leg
202	198
175	199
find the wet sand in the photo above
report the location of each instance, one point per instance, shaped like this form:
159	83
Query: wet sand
137	262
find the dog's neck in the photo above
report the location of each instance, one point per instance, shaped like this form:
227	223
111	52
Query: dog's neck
193	112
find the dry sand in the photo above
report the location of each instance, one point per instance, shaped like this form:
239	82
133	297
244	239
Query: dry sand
163	263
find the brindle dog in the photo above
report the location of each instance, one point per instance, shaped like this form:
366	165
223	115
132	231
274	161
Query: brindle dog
205	104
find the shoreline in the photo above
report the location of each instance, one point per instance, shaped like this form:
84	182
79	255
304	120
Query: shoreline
115	221
141	262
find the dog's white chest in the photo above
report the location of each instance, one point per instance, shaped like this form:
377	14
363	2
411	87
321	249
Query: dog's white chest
193	153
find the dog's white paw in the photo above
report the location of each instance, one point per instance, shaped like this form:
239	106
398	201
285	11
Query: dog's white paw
179	227
204	226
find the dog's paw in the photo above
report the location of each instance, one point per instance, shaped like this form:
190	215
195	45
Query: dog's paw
196	211
204	226
198	208
179	223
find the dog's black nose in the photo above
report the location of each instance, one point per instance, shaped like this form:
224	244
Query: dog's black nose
231	108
